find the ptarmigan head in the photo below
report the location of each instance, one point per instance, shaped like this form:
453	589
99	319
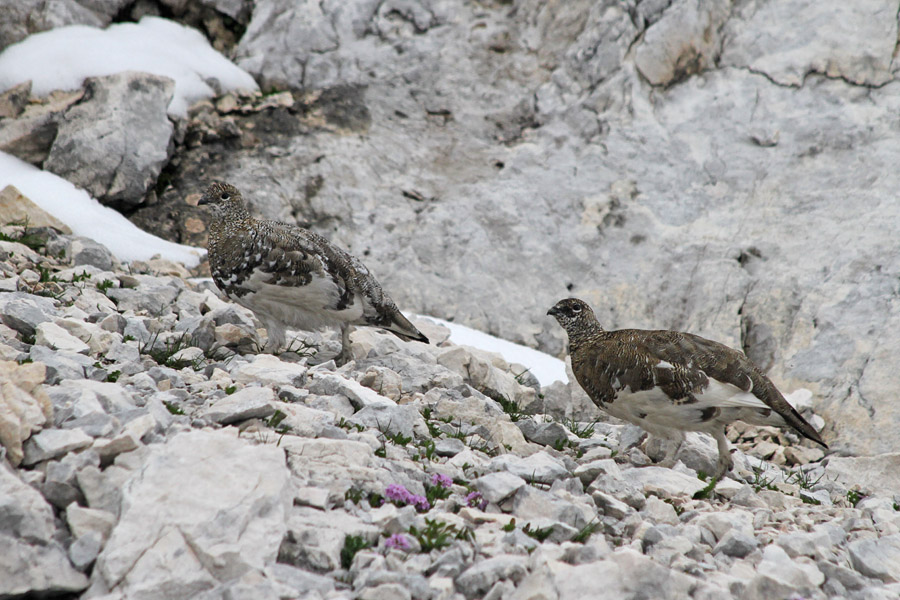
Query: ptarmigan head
223	198
574	315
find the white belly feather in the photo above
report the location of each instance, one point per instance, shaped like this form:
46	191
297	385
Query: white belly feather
304	307
654	411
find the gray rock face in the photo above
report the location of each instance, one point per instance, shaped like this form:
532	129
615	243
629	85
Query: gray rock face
821	48
95	149
24	17
697	206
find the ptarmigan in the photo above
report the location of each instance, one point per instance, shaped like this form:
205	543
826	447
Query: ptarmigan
291	277
669	382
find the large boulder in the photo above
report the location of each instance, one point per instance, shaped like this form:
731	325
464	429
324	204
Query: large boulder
206	507
115	141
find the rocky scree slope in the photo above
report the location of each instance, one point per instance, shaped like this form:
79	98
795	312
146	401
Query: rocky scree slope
149	452
721	167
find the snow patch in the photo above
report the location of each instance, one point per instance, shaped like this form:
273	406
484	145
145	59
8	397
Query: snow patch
546	368
61	59
87	217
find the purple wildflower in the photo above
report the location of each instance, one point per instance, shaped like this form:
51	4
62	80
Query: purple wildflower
401	496
398	540
441	480
398	493
476	500
421	502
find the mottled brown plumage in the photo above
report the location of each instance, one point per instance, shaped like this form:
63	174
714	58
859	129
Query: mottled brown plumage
291	277
669	382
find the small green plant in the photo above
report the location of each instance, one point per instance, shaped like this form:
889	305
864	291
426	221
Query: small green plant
352	545
436	492
381	452
45	276
83	276
613	453
701	475
760	481
435	535
560	444
896	506
586	532
230	390
33	241
510	526
345	424
173	408
706	491
809	500
275	421
853	497
354	495
533	480
520	378
428	450
510	407
540	534
433	429
375	499
113	376
398	439
104	285
804	479
458	434
678	508
128	338
486	448
582	431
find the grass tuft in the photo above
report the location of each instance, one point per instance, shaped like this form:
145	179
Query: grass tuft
352	545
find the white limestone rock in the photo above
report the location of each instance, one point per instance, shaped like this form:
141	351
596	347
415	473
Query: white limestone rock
663	482
268	370
878	558
24	405
478	579
52	443
248	403
33	562
175	532
83	520
854	43
55	337
540	467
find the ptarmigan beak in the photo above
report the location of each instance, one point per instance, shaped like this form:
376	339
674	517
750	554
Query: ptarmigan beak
553	312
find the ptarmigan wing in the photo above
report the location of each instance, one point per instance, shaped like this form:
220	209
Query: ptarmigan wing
351	284
715	375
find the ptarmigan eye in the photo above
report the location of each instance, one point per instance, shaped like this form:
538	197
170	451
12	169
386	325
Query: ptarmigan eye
224	196
576	309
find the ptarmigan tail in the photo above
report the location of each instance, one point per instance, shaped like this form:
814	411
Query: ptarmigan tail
403	329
